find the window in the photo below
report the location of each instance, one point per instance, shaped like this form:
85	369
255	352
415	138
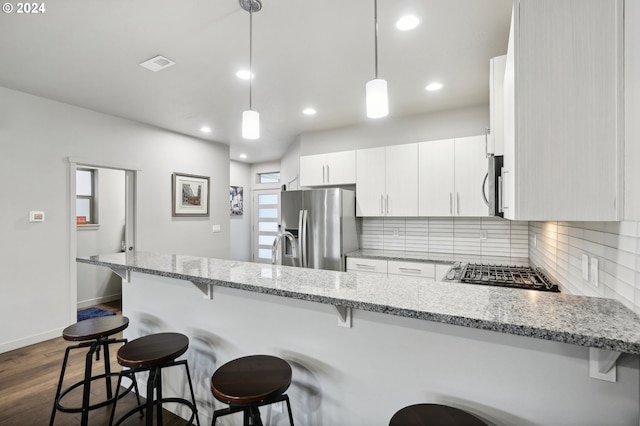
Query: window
266	214
272	177
86	197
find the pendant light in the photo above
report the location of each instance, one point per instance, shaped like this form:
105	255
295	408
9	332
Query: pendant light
377	98
250	118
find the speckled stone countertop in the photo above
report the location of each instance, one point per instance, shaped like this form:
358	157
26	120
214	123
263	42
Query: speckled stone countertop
415	256
586	321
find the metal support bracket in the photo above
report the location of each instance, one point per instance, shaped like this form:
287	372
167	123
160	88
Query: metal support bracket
206	289
602	364
121	272
344	316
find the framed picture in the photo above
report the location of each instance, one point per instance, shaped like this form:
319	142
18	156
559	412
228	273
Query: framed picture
190	195
235	200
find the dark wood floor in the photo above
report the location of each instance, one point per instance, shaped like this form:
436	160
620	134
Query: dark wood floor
29	377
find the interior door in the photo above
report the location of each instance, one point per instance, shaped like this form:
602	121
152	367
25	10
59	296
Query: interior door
265	223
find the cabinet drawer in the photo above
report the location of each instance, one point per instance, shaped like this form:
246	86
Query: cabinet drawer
366	265
414	269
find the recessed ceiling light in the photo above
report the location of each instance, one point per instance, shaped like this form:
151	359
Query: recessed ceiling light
407	22
434	86
309	111
205	129
243	156
245	75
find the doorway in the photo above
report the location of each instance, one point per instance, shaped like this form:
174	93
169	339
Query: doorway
102	210
266	212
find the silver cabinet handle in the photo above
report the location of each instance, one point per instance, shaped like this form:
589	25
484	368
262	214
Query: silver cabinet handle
417	271
381	204
451	203
328	175
324	179
504	201
387	205
458	203
484	193
364	266
487	132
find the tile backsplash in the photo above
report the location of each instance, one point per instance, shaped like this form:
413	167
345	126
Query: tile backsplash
465	236
558	247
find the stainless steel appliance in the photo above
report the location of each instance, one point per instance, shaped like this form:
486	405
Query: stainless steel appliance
526	277
493	181
318	226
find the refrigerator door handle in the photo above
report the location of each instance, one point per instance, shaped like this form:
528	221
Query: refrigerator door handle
303	238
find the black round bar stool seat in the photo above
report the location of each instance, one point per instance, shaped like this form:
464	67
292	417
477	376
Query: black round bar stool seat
93	334
434	415
250	382
153	353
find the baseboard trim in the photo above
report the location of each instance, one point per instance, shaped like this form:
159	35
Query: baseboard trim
98	300
36	338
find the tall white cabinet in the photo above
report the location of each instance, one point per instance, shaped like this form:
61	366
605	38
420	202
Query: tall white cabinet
387	181
563	111
451	176
632	109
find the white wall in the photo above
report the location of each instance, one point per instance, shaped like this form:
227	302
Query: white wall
461	122
100	285
36	138
240	226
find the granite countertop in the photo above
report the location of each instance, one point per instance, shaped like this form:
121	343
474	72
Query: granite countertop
416	256
585	321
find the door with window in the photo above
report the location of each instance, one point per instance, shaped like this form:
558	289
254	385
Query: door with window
265	223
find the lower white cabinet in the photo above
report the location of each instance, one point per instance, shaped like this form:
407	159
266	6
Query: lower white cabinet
430	270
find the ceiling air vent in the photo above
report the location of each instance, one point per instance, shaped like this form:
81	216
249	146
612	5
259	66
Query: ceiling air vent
157	64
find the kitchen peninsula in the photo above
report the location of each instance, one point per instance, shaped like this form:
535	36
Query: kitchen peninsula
509	356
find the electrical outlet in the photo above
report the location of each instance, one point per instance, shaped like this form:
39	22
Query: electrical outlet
396	232
535	240
593	273
484	235
585	267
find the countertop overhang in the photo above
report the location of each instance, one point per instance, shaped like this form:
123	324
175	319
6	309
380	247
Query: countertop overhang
586	321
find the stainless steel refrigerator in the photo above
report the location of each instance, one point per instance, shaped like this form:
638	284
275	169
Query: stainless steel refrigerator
322	223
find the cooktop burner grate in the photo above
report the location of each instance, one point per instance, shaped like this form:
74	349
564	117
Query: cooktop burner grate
507	276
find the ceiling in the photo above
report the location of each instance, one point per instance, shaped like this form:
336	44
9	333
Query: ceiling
305	53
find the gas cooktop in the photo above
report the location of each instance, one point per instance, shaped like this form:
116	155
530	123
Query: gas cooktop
525	277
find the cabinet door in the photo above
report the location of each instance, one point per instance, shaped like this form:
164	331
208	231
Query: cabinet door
313	170
341	168
496	101
402	180
370	182
436	178
470	170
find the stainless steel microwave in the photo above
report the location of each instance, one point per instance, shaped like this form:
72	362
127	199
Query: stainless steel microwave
493	195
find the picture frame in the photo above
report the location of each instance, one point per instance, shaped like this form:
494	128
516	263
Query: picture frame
189	195
236	201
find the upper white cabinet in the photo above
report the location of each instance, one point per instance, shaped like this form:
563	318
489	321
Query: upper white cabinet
632	106
387	181
496	103
336	168
563	111
451	176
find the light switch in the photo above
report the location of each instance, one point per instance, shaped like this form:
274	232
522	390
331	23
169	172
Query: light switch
585	267
36	216
216	228
594	272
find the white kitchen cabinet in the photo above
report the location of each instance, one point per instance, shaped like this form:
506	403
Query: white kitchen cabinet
496	105
632	106
563	111
359	264
411	269
451	173
387	181
335	168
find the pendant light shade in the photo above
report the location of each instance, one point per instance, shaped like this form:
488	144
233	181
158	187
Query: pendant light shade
377	98
250	118
250	124
376	89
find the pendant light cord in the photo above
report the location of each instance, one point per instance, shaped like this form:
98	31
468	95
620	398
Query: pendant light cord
375	31
250	50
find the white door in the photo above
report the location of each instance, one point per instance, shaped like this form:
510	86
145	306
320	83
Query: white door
370	182
402	180
470	170
436	178
265	223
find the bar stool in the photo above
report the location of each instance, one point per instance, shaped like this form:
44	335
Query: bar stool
94	334
249	383
152	353
433	415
